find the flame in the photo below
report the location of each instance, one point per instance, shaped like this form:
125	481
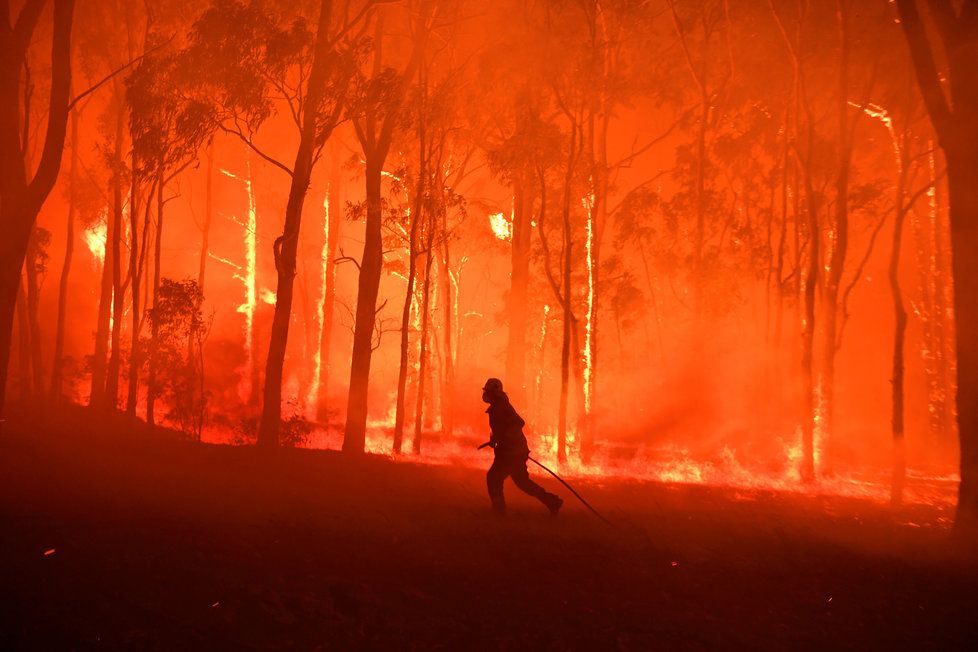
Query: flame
502	226
588	202
268	296
312	397
543	341
668	465
97	235
249	280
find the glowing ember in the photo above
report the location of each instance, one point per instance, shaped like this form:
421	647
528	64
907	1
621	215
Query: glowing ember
502	226
96	236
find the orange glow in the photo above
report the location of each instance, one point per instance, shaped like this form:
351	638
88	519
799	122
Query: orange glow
502	226
312	395
96	236
249	280
655	254
588	379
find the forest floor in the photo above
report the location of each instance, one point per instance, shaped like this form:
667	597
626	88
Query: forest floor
136	541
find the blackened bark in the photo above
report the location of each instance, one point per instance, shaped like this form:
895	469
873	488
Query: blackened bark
118	292
957	129
404	361
152	389
57	367
899	466
355	433
286	245
21	196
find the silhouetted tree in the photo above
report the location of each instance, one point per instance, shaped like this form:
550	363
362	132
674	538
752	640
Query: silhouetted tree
22	190
951	97
246	57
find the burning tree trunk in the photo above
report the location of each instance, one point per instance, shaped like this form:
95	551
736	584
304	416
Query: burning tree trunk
103	323
333	219
22	195
250	281
956	122
423	335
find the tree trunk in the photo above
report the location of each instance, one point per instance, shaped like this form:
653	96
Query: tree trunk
568	315
286	245
809	389
21	196
24	346
962	169
375	136
837	259
103	324
423	335
355	433
404	361
32	276
899	335
208	216
152	389
118	293
518	291
957	129
10	260
57	367
135	280
448	361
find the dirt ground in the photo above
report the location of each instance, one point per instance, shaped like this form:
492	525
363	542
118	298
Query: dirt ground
135	541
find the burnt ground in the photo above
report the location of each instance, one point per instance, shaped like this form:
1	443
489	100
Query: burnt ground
166	545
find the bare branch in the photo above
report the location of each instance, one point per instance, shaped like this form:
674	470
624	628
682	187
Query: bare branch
248	141
115	73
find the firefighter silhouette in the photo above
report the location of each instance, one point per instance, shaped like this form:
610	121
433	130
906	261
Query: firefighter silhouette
509	444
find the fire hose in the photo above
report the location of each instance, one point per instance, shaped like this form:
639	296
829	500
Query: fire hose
566	484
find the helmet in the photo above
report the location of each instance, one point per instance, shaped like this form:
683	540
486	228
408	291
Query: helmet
493	385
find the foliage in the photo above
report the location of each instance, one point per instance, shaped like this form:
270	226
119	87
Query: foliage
178	351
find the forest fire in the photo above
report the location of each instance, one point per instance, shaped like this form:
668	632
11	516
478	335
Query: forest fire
718	251
96	238
502	226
